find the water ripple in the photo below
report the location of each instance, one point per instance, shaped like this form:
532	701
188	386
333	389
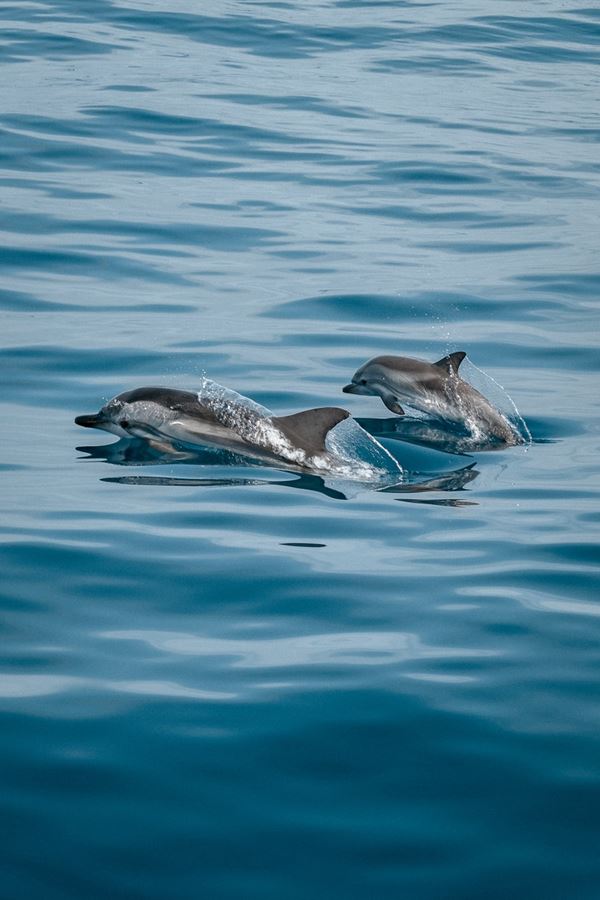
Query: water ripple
354	649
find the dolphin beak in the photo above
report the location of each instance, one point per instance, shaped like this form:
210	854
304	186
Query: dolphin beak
354	388
94	421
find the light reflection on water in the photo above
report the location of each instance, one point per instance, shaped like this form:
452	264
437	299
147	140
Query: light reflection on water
354	648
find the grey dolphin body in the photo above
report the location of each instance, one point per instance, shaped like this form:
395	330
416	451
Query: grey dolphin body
435	389
158	413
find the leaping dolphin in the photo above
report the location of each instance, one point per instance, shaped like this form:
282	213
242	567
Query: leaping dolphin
158	413
435	389
325	441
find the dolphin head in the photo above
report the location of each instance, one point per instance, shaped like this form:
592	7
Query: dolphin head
373	380
402	379
138	412
112	417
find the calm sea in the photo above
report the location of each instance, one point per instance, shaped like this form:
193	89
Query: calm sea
230	682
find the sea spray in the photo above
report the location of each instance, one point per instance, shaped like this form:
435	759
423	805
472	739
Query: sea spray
351	453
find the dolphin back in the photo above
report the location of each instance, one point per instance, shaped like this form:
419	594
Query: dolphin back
309	429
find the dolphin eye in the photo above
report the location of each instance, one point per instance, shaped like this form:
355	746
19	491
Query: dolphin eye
363	380
124	423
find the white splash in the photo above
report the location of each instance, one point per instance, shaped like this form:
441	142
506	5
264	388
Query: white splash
351	452
502	400
360	452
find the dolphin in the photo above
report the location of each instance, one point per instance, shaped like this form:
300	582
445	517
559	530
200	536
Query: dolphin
162	415
435	389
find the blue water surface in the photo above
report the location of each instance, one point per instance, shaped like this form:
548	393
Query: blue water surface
228	681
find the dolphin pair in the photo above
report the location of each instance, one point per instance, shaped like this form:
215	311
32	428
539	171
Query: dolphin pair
435	389
224	419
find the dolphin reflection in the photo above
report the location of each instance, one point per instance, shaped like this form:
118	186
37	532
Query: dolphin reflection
139	452
448	437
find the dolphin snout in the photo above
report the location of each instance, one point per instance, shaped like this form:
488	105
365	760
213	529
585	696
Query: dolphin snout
355	388
93	421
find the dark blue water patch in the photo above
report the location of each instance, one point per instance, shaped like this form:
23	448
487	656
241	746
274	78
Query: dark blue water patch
220	146
130	88
564	28
21	301
343	307
128	122
545	83
101	264
22	46
566	185
383	4
551	39
463	218
417	171
140	565
591	12
552	428
37	371
349	176
566	284
30	153
260	205
392	308
57	191
48	11
591	135
477	125
476	179
593	518
174	234
40	360
271	37
81	126
297	254
546	55
259	36
553	492
444	66
489	246
294	102
379	860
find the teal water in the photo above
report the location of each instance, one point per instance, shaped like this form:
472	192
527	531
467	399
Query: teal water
213	685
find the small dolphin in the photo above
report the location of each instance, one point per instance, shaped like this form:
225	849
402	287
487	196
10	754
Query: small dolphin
435	389
162	415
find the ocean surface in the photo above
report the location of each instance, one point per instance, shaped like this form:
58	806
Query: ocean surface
231	681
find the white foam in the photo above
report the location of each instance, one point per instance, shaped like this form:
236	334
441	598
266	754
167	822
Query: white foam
499	396
352	454
356	449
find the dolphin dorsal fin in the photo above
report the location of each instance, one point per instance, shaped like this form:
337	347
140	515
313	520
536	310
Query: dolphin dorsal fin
451	362
308	429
